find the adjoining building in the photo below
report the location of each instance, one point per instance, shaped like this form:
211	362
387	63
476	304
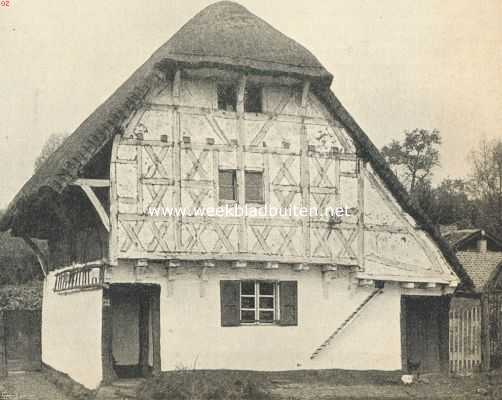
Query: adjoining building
476	316
231	111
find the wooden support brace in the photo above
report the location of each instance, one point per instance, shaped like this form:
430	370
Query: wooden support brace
305	93
301	267
177	84
97	206
241	91
329	267
40	256
271	265
366	282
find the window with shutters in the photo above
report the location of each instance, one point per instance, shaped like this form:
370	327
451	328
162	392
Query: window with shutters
227	185
254	186
259	302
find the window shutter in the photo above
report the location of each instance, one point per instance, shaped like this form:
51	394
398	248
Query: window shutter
230	297
288	297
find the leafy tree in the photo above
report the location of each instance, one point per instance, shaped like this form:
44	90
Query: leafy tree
50	146
486	183
414	158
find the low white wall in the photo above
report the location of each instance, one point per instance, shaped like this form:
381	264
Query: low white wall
71	333
192	335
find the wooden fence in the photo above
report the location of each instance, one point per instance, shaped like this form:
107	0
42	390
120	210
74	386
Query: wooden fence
465	337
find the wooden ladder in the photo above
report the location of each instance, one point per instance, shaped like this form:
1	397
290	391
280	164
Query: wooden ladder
346	323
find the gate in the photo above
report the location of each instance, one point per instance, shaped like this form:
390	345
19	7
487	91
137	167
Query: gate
465	336
494	304
22	339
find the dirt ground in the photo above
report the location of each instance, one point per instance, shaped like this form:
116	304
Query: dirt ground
321	386
487	386
29	386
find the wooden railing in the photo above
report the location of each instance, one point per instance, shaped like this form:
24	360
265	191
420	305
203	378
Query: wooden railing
79	277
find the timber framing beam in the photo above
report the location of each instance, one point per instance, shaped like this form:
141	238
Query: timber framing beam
40	256
87	185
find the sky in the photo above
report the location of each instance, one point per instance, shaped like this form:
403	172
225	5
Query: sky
397	65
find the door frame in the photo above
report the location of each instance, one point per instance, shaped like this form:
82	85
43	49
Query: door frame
149	300
443	304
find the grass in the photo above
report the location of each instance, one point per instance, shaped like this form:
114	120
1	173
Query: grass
185	384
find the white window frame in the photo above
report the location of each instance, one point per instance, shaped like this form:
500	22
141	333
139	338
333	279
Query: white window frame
257	308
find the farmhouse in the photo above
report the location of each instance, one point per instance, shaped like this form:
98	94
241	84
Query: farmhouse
230	111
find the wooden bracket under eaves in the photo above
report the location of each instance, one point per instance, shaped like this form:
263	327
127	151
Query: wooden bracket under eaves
87	186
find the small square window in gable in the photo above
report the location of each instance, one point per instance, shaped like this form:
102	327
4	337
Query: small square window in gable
227	97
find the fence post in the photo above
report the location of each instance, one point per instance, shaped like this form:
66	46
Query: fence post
485	332
3	346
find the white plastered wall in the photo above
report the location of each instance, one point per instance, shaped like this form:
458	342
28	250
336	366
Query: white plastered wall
71	333
192	335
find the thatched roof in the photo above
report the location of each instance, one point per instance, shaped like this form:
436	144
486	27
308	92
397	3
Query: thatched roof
224	34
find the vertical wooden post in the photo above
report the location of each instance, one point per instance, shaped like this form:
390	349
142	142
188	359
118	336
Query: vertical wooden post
485	332
155	304
360	206
404	342
241	160
107	339
444	333
144	303
3	346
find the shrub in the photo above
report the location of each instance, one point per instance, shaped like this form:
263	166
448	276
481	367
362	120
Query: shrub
186	384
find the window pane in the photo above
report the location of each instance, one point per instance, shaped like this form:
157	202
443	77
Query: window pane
227	183
266	316
247	302
267	288
253	99
247	316
226	178
254	186
227	193
247	287
266	302
227	97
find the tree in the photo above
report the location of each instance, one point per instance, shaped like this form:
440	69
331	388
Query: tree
486	183
50	146
414	158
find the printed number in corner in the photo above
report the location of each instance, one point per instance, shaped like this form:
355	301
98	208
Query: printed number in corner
5	3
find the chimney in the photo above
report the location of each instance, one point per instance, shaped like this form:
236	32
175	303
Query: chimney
482	243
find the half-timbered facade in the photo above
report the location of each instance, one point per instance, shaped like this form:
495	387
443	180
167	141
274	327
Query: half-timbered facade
230	115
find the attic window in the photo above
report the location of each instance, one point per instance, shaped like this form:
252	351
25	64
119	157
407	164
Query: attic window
227	97
253	99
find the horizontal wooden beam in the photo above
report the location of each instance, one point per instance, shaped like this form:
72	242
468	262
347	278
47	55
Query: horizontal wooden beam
239	264
92	182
